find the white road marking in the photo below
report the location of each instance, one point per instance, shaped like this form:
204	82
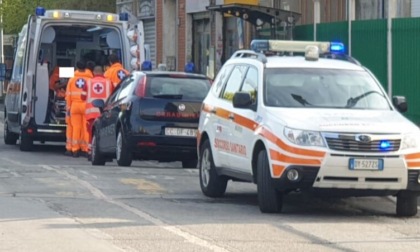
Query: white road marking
195	240
14	162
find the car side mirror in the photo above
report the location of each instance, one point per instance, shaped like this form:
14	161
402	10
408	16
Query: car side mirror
2	72
242	100
99	103
400	103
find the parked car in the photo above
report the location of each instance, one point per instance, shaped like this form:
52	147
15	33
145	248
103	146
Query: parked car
150	116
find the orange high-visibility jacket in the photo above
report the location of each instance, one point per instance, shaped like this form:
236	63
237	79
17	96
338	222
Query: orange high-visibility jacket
116	73
97	88
75	87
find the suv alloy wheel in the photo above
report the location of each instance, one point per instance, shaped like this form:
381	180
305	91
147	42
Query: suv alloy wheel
212	185
269	199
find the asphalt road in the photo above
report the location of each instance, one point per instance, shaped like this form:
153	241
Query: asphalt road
49	202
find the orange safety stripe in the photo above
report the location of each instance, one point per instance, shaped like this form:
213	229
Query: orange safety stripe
245	122
252	125
278	170
272	138
277	156
413	164
413	156
223	113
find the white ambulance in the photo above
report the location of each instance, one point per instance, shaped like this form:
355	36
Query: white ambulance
311	122
59	38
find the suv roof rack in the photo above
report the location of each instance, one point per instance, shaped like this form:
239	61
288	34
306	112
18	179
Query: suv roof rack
249	54
344	57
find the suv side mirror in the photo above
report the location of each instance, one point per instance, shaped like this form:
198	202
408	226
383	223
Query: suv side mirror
99	103
400	103
2	72
242	100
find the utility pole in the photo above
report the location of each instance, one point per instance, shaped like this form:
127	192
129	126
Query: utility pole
317	16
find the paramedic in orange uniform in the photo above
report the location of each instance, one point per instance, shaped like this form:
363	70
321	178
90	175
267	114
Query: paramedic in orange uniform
115	72
76	109
96	88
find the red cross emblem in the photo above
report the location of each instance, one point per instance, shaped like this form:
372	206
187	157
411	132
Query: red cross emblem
98	88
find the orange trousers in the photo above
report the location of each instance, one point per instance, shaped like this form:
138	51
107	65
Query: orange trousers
69	134
78	124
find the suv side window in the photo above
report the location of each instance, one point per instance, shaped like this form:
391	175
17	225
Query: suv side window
251	83
234	82
221	79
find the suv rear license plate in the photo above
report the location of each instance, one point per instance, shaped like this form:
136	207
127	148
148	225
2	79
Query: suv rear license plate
366	164
180	132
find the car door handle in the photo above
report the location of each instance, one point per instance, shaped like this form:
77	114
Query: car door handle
231	117
213	111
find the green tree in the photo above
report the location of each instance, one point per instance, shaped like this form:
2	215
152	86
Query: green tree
16	12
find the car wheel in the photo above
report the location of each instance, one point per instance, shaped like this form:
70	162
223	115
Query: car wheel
212	185
123	153
189	163
406	204
9	137
26	142
96	155
269	199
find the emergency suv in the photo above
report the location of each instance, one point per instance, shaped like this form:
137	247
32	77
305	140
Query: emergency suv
306	122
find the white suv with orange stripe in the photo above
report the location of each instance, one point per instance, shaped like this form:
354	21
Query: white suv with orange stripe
307	122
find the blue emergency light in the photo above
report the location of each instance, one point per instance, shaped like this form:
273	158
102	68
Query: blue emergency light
40	11
384	145
260	45
337	47
123	16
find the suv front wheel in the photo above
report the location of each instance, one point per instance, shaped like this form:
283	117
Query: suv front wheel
406	204
212	185
269	199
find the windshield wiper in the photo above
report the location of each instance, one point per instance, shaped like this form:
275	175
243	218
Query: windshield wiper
300	99
168	96
352	101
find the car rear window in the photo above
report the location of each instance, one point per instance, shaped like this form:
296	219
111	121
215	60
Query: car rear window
175	87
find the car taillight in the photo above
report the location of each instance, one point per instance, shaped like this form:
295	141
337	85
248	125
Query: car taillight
141	87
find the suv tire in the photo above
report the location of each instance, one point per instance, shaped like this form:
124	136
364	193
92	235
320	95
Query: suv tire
26	142
406	204
9	137
212	185
269	199
123	154
96	155
191	163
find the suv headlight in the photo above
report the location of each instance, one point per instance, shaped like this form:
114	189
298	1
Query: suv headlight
410	141
304	137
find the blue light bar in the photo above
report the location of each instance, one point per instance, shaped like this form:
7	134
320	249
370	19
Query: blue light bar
40	11
123	16
260	45
384	145
337	47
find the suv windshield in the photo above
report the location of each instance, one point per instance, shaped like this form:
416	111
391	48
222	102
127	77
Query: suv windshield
184	88
325	88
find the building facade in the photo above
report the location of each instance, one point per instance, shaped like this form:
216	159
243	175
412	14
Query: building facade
207	32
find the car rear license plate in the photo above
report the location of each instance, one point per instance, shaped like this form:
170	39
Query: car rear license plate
366	164
180	132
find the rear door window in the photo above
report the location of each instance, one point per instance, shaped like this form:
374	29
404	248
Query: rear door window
183	88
